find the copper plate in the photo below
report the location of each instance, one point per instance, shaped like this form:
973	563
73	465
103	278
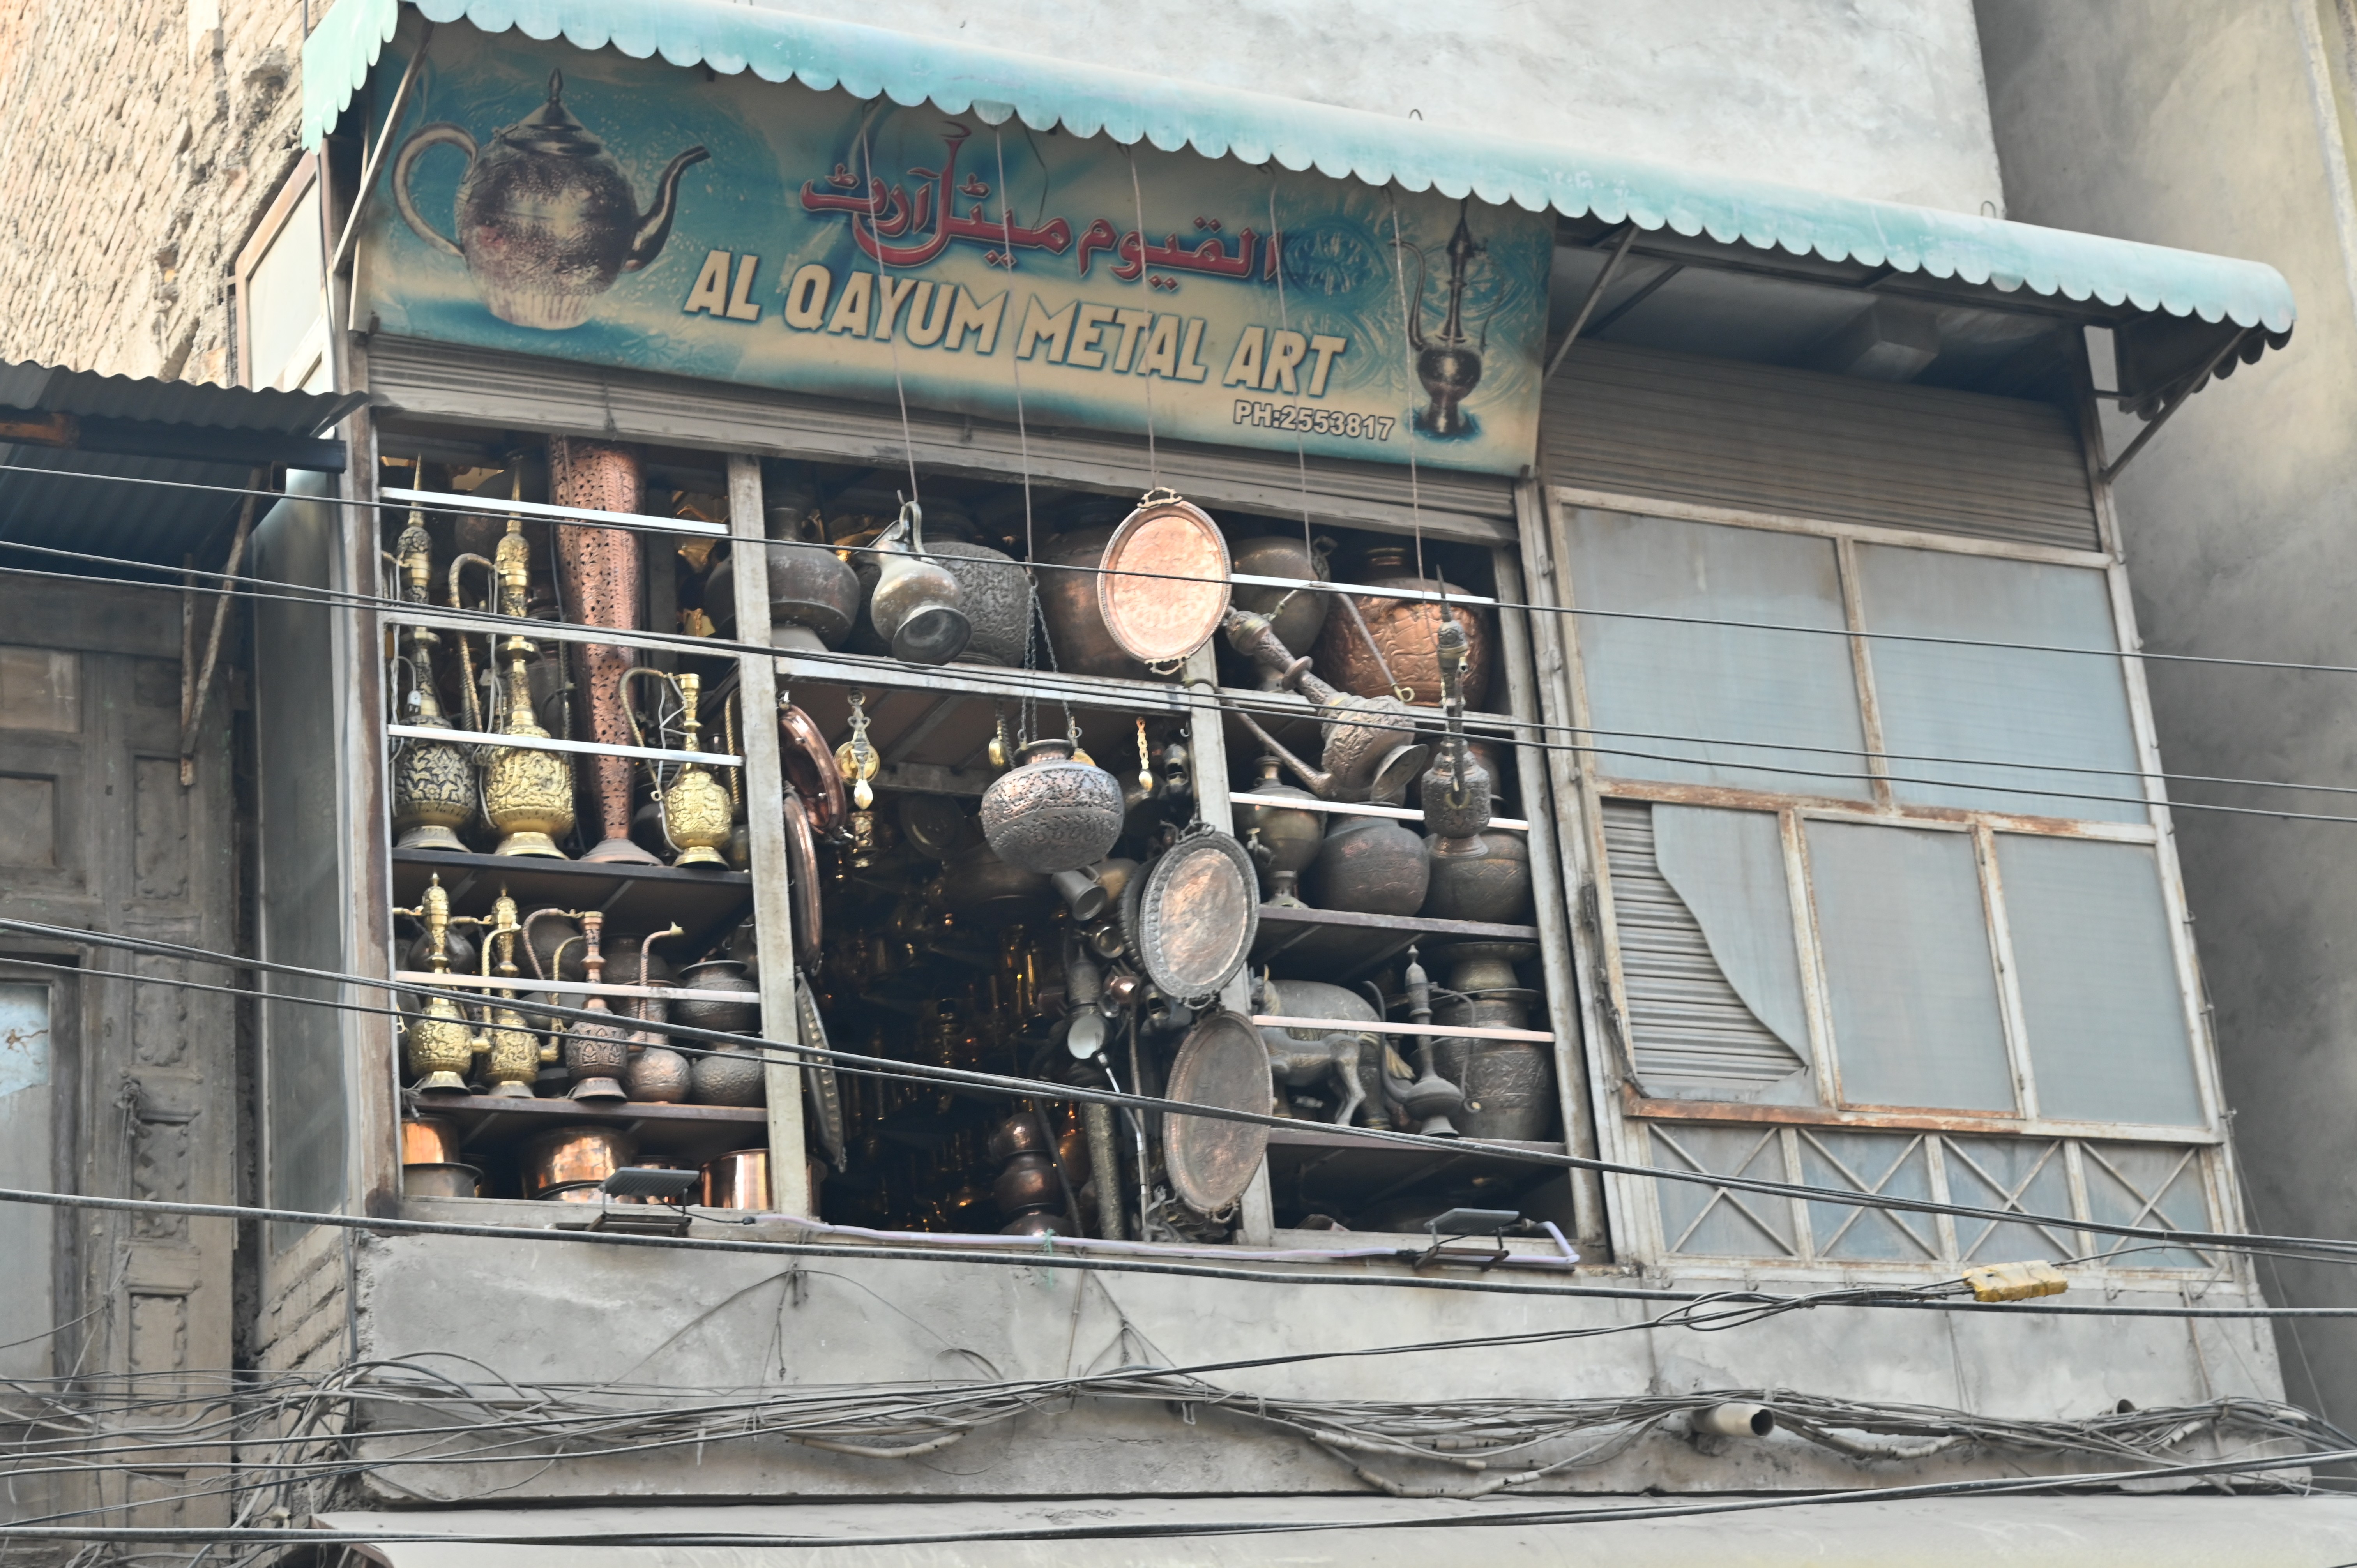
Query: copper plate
1221	1062
1193	916
809	764
1164	587
818	1077
802	882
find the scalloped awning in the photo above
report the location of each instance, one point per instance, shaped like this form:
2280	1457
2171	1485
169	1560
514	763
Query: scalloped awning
997	85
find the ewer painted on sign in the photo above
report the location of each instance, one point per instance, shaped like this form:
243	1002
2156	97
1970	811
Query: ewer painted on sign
546	219
1448	362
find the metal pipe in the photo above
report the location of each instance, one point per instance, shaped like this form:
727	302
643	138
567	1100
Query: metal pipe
1734	1421
1587	305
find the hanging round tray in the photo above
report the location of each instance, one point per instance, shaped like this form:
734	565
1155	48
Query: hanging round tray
1164	587
1192	919
1220	1063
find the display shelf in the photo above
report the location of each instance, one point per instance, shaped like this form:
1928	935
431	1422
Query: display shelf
706	902
1344	946
692	1133
1331	1170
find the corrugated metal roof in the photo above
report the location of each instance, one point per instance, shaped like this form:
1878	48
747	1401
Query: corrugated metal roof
1170	112
67	501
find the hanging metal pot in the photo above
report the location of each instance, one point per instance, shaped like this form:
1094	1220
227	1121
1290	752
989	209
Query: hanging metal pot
1456	790
916	607
994	592
1053	811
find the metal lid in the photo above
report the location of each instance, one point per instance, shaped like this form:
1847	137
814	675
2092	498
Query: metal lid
1192	918
1178	594
1221	1063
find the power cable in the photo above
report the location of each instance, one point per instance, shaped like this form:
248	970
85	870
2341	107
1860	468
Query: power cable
1267	705
491	508
1039	1089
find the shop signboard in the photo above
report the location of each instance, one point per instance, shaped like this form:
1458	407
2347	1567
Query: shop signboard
591	207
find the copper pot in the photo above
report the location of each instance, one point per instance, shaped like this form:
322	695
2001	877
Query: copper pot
728	1017
995	594
440	1179
1405	630
1305	611
1027	1184
1371	866
571	1156
813	592
1486	876
729	1078
657	1076
738	1180
429	1141
1068	601
1289	836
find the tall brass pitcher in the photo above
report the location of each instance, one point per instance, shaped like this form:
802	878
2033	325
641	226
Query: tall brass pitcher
527	793
433	787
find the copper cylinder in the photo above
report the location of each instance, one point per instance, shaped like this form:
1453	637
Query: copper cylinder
738	1180
599	575
573	1158
429	1141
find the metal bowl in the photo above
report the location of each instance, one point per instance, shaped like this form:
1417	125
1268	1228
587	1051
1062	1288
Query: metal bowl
440	1179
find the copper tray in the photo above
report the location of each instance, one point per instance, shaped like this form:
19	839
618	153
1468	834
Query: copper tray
1164	589
1221	1062
801	883
1192	919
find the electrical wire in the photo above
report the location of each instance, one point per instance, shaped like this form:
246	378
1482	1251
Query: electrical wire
1270	707
491	508
2324	1248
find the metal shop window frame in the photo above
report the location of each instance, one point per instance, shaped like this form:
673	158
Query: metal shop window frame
742	426
1627	1116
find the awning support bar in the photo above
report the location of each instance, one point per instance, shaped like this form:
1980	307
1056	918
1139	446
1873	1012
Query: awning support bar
1588	306
2194	383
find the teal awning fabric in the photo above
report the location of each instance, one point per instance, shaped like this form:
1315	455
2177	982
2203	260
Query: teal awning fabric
997	85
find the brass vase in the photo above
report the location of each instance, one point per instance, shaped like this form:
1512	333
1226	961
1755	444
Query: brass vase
527	793
599	575
433	787
439	1043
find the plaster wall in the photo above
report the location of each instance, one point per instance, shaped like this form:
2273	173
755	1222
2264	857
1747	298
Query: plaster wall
672	1323
145	138
2213	125
1868	98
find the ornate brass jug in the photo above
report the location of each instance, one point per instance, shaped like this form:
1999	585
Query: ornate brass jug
596	1054
1371	750
527	793
1457	788
546	217
512	1052
439	1043
698	816
433	787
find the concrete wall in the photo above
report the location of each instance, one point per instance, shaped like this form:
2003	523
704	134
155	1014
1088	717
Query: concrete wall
671	1324
145	139
2212	125
1872	98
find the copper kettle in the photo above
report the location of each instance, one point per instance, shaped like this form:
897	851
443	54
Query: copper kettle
546	219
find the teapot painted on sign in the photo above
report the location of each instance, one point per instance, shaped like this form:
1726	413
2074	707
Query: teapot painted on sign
546	219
